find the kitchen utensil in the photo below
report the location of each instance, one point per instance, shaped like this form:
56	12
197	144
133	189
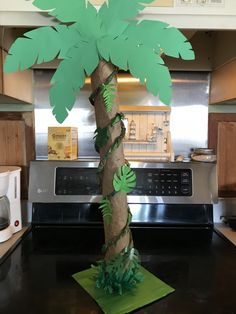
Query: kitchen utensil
204	158
203	151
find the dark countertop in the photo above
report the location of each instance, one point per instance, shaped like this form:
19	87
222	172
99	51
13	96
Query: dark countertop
36	277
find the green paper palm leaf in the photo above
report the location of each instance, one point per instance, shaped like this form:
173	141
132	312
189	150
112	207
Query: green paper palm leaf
87	20
142	61
108	93
132	49
64	11
124	180
161	37
70	77
116	13
106	208
40	45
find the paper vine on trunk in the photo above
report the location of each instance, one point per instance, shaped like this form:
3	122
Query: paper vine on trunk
108	93
97	43
106	209
102	135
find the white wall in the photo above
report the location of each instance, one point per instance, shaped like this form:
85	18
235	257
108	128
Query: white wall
22	13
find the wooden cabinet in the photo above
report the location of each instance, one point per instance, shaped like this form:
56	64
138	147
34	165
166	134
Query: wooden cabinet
222	137
1	74
223	82
12	142
226	151
17	143
15	87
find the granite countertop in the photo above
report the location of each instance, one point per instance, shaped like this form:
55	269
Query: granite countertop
226	231
37	276
7	246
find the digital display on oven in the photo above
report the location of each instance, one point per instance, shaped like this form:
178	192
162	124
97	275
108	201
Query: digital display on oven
150	182
77	181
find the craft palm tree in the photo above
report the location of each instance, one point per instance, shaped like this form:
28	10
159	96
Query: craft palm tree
98	43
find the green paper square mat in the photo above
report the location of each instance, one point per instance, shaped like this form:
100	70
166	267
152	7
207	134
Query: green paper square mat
148	291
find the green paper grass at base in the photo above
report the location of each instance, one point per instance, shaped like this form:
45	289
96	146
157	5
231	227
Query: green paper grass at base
148	291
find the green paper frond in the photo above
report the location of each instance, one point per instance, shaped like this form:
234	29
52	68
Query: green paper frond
64	11
108	93
142	61
124	180
161	37
120	273
40	45
85	16
70	77
106	209
102	136
116	14
139	49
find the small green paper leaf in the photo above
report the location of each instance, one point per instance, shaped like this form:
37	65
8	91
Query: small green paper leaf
124	180
102	136
108	93
120	273
106	209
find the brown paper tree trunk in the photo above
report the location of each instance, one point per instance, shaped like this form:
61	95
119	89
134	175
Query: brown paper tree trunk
115	160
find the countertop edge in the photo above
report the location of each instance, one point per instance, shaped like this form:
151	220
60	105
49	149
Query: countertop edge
226	232
8	246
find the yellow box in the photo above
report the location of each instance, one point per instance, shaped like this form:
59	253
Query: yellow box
62	143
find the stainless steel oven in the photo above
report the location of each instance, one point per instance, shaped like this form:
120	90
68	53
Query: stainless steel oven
176	196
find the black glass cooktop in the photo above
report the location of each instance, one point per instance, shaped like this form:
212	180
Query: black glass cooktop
36	277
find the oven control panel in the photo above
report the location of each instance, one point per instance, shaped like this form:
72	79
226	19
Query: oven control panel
150	182
163	182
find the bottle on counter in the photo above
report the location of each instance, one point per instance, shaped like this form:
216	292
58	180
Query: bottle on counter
132	131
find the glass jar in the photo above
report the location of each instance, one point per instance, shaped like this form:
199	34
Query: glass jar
4	212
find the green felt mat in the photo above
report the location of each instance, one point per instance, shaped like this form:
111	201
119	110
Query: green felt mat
150	290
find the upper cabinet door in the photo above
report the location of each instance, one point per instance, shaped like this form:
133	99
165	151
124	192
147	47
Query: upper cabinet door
226	158
223	80
1	74
222	138
15	87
